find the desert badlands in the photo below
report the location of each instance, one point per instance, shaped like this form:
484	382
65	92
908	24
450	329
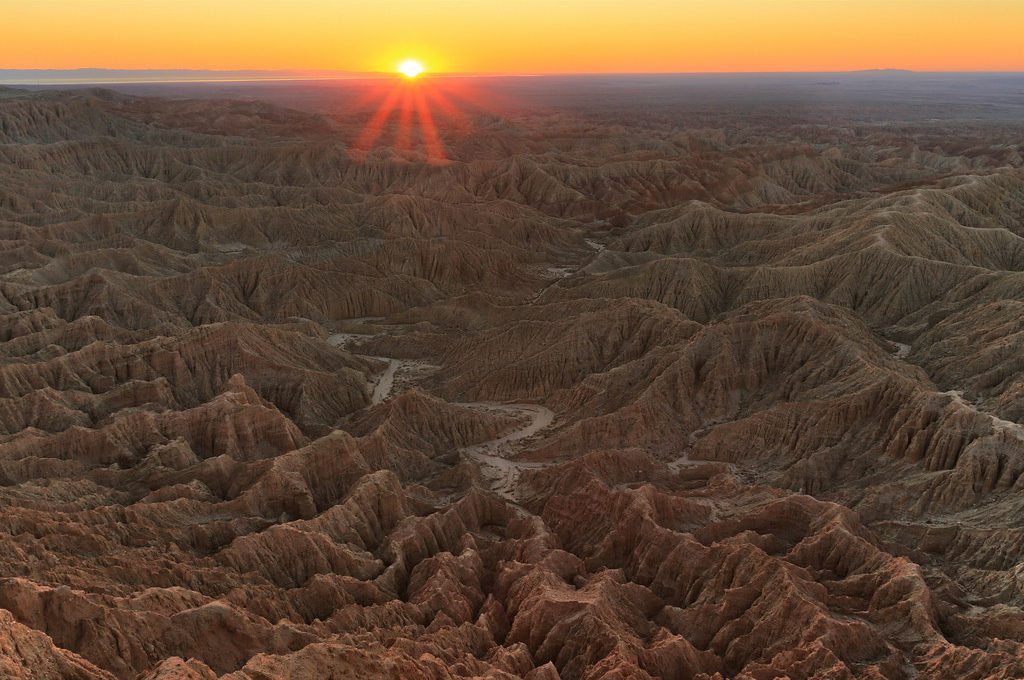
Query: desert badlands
628	381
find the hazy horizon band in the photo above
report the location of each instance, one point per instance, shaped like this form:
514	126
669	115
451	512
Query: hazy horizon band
101	76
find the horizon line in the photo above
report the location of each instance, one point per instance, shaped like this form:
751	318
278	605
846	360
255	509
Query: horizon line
151	76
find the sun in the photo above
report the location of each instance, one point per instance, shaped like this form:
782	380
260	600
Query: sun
410	68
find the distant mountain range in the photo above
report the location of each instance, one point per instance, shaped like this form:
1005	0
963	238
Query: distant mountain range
103	75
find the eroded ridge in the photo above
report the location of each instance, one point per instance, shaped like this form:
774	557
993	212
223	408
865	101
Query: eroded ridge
625	390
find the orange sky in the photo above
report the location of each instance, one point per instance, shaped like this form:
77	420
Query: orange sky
515	36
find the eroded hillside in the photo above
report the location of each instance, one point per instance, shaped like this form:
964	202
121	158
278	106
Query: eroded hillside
704	396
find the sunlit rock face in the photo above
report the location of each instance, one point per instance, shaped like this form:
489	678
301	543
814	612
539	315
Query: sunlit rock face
621	390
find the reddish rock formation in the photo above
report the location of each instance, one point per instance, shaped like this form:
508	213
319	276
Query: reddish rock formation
612	393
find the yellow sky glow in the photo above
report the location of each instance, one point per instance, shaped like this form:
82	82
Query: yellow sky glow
524	36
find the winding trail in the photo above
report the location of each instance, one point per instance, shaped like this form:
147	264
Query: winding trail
502	473
385	381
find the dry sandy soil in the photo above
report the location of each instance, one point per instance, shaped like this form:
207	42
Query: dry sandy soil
645	383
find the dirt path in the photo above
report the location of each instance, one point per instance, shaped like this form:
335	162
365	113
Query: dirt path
385	381
503	473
